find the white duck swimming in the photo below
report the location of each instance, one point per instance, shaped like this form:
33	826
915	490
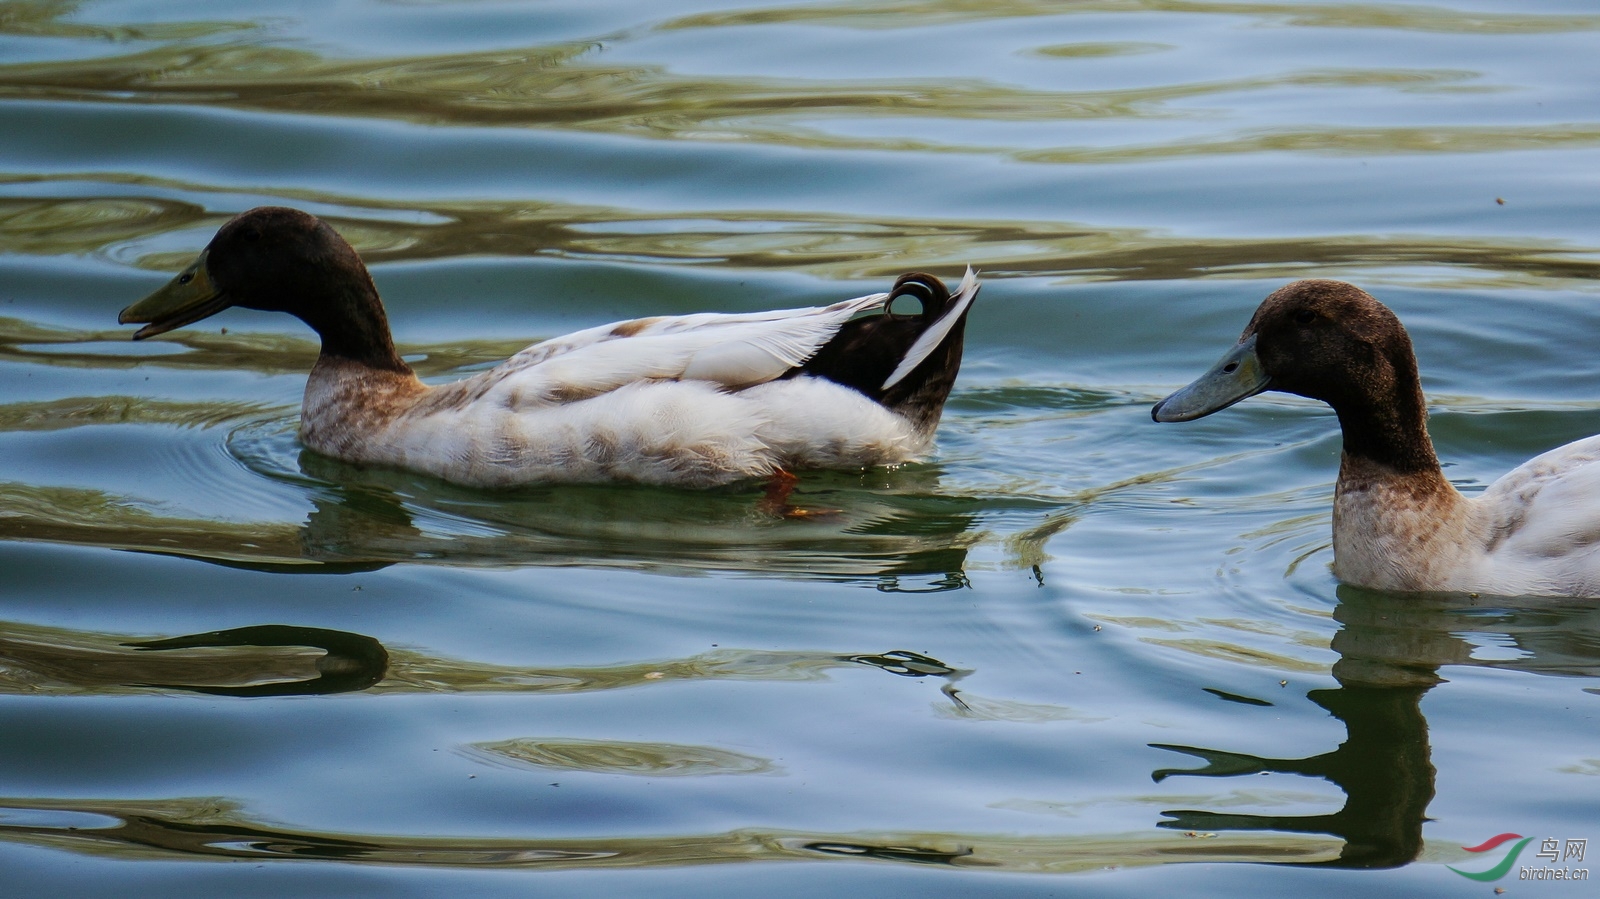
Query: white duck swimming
1398	524
692	400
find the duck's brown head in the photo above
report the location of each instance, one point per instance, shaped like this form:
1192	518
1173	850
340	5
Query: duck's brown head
1329	341
278	259
1326	340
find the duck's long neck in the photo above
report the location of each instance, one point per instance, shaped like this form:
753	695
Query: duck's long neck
1388	427
353	327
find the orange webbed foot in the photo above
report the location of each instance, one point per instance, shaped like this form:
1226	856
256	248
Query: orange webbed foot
775	501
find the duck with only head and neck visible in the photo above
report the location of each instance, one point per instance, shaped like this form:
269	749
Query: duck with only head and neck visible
1398	523
691	400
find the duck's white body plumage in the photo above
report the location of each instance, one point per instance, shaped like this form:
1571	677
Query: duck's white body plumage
692	400
1535	531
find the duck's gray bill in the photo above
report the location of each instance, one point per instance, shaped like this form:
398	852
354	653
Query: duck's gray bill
1236	376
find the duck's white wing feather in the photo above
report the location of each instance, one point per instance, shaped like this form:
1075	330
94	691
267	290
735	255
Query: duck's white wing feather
748	347
726	350
730	350
1546	509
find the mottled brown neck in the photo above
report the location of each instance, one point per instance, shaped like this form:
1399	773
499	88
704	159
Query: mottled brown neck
1358	472
348	402
1394	531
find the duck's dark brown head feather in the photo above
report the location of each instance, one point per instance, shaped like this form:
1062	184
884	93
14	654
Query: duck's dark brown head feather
1332	341
280	260
1329	341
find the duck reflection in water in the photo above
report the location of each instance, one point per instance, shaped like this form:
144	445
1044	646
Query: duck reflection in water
896	531
282	660
1390	650
349	662
260	660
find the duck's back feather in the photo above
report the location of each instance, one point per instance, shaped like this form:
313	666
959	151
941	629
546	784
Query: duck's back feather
1542	521
733	350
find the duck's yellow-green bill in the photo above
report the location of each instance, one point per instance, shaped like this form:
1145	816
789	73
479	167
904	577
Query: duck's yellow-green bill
184	300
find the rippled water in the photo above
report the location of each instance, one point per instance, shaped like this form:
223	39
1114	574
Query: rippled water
1076	652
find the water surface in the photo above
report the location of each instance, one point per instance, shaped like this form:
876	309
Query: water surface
1074	651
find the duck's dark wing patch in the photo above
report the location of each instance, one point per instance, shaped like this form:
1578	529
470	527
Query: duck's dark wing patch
907	363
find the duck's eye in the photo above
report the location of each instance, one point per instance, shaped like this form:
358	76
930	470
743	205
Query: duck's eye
186	277
251	235
1305	317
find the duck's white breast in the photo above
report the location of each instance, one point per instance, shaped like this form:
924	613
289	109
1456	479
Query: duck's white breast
1401	532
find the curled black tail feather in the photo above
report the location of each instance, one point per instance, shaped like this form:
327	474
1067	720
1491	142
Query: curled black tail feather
867	351
927	289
